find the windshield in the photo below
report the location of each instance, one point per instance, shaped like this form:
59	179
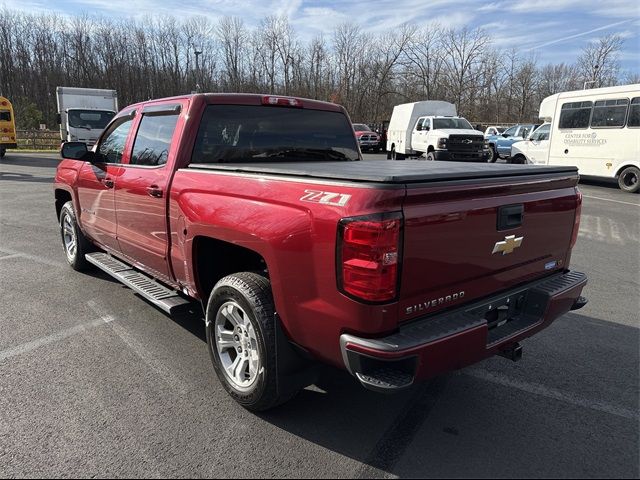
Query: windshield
454	123
361	127
90	119
245	133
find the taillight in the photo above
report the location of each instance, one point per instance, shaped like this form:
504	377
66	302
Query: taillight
282	101
576	220
368	256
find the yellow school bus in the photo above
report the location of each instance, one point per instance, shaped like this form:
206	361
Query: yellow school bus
7	126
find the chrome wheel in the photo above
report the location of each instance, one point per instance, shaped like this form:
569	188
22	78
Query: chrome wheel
237	346
69	238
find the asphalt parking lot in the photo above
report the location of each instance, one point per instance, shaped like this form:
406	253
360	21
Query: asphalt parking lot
96	382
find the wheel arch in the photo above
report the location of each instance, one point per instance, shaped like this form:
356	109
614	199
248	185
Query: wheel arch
62	196
214	259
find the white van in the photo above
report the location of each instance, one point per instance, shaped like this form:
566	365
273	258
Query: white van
596	130
431	128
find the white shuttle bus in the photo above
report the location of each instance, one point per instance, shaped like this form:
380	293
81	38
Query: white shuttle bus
597	130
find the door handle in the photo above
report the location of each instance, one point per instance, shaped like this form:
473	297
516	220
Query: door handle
107	182
154	191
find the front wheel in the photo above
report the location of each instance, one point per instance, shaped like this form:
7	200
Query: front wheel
74	243
241	336
518	159
431	157
629	179
493	158
2	152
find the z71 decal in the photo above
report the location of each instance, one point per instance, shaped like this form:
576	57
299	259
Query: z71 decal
325	198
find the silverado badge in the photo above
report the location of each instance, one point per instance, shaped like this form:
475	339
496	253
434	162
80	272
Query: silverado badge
508	245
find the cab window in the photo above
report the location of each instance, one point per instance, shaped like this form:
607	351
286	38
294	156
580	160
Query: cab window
541	133
112	144
153	140
419	124
511	131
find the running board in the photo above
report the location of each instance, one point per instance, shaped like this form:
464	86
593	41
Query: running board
162	297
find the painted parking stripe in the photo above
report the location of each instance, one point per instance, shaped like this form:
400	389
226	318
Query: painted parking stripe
543	390
610	200
56	337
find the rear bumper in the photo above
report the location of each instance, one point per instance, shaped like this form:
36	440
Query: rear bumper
444	342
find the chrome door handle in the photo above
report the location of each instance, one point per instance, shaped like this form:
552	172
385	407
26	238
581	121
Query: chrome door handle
107	182
154	191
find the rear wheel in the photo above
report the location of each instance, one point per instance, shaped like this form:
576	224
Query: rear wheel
75	244
241	336
629	179
395	155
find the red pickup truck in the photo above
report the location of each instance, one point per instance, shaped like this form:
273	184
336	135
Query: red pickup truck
261	209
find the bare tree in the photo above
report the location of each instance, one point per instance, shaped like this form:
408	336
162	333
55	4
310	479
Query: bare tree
599	62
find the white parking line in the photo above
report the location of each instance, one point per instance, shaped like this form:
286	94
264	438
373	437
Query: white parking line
56	337
36	258
538	389
610	200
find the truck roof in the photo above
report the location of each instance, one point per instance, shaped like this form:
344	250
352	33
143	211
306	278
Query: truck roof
246	99
376	171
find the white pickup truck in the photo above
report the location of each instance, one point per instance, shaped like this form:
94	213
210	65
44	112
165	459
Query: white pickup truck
431	129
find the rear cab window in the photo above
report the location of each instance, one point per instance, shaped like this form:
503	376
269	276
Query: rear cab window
153	138
248	133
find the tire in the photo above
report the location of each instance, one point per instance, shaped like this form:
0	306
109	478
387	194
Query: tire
2	152
518	159
240	323
431	157
395	155
376	150
74	243
494	154
629	180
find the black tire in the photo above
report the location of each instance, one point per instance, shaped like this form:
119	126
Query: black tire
2	152
629	180
493	157
431	157
518	159
376	150
252	293
83	246
395	155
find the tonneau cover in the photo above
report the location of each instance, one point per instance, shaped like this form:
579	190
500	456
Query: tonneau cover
381	171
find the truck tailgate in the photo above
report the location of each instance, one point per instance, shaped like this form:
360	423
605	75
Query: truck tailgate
456	249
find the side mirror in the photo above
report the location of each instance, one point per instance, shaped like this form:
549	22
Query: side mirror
427	128
76	151
506	135
419	128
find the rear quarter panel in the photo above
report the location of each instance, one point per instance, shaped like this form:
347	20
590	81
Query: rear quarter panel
296	238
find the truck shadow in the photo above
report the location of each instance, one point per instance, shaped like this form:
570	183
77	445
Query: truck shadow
31	161
557	394
24	177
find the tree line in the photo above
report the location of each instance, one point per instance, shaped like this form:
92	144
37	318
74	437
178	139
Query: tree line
367	73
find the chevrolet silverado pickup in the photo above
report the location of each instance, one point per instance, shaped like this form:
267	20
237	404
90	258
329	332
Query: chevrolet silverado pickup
261	211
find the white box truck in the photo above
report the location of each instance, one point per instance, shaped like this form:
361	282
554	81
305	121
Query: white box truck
432	129
596	130
84	112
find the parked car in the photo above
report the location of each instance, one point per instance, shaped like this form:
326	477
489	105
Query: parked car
431	129
492	131
500	145
367	138
258	210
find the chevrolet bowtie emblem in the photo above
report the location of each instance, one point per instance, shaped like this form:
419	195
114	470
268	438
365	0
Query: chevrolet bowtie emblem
509	244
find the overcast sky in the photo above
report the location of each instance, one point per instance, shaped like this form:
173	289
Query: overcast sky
554	30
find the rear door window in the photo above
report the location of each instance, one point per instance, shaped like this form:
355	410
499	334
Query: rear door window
251	133
153	140
5	116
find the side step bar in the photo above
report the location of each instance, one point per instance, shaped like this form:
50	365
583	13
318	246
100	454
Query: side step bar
162	297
